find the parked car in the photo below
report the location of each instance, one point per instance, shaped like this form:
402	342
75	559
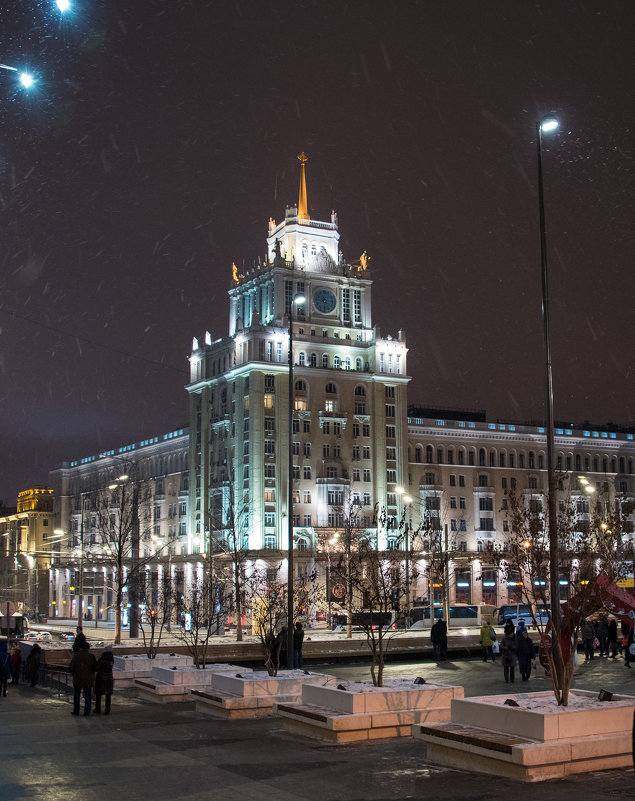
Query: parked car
44	636
30	636
68	636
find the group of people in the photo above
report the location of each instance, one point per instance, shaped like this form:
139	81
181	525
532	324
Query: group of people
86	670
11	666
601	634
515	648
279	646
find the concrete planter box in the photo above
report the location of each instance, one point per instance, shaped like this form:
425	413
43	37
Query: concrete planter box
358	711
137	666
170	685
536	740
252	695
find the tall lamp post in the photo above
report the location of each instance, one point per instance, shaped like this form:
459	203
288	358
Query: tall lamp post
297	300
546	125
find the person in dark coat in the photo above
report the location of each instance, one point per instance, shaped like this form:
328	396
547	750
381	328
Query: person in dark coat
526	655
104	682
628	656
612	637
439	637
279	651
587	632
509	626
509	655
298	639
16	663
82	667
80	640
32	665
603	635
5	668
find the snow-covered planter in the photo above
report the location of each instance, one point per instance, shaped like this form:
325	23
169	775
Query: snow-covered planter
361	711
528	736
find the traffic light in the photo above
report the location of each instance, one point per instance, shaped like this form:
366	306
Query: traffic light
394	595
153	614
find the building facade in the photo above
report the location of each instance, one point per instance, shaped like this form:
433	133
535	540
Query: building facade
354	443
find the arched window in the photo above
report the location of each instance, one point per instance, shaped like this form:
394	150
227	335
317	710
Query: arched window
305	250
481	457
346	363
418	454
501	460
300	386
301	358
429	454
331	389
313	249
359	390
313	360
578	462
359	364
336	362
532	460
325	360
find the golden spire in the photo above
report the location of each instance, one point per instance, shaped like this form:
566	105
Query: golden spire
303	213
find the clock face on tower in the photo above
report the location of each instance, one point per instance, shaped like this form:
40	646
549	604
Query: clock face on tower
324	300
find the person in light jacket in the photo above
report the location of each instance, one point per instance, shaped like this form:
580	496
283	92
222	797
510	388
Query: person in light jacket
487	641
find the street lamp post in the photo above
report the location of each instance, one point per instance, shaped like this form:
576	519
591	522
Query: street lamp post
546	125
296	300
80	597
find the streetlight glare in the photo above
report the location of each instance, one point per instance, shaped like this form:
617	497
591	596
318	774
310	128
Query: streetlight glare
63	5
26	80
299	299
549	124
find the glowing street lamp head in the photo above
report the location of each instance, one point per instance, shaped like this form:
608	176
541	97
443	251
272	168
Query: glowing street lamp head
299	299
26	80
548	123
63	5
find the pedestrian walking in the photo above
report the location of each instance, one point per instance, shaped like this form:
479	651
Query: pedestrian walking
82	667
520	629
104	682
298	639
32	665
587	632
509	626
629	656
509	655
487	639
602	634
5	668
526	655
612	638
16	663
439	637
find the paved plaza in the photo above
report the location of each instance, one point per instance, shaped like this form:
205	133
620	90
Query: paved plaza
170	752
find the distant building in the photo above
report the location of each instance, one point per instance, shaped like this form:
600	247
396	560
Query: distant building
25	551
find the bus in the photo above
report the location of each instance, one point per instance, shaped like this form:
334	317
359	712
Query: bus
362	620
460	615
518	612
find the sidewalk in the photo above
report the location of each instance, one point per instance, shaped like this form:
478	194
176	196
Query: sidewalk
171	753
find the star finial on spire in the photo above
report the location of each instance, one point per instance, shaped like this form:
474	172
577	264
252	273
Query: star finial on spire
303	212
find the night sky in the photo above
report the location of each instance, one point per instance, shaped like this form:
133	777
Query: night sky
161	136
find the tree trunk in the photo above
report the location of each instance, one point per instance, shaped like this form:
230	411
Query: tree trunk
239	608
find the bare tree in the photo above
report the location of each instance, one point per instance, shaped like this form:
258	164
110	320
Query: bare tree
229	549
157	609
270	610
590	544
378	578
193	608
